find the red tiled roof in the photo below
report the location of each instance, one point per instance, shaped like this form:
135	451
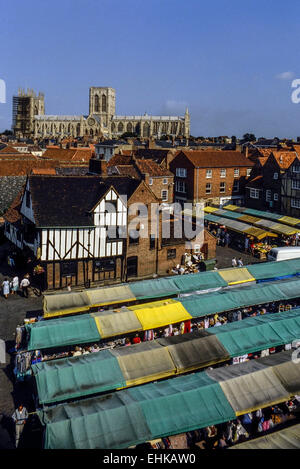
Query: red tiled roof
284	158
217	159
71	154
119	160
43	171
152	168
263	160
9	149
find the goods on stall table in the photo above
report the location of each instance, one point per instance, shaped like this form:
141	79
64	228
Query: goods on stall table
261	249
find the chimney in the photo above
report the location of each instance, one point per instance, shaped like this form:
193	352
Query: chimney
98	167
247	152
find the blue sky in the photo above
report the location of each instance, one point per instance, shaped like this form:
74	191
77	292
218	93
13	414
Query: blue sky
231	62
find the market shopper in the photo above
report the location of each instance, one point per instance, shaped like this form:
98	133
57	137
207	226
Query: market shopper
24	285
5	288
15	285
19	416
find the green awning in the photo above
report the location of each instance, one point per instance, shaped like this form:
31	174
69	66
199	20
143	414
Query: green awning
270	270
197	282
259	332
108	422
61	332
154	288
68	378
182	404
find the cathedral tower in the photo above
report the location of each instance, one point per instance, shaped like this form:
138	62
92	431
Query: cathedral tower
102	103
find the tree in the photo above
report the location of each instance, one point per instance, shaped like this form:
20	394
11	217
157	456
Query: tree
249	137
7	132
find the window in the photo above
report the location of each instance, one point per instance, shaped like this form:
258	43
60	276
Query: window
275	176
134	236
150	181
236	186
295	184
295	203
112	233
165	181
208	173
249	172
254	193
236	173
68	268
171	254
105	265
275	196
208	188
180	186
222	187
223	173
268	195
181	172
164	196
296	169
152	241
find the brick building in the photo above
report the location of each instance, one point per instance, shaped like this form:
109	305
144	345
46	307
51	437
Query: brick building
264	188
212	177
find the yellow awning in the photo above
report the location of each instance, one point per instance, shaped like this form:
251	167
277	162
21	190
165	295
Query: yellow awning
284	229
258	233
113	324
110	295
236	275
290	220
248	219
163	314
231	207
210	209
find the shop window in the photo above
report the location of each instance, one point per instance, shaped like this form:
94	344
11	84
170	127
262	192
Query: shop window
104	265
68	268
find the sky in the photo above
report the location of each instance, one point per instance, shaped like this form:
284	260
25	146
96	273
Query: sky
231	62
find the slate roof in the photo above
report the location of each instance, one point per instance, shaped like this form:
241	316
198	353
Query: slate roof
67	200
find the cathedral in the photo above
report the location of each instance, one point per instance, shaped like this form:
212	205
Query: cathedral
30	120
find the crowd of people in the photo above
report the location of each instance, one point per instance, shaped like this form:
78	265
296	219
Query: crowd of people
13	286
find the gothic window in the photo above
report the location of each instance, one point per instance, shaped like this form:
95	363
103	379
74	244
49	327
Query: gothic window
164	128
129	127
146	130
91	132
104	103
120	127
97	103
113	127
173	131
69	128
36	111
138	128
78	130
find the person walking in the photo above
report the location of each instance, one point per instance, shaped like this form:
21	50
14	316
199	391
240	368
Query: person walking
24	285
240	262
15	285
5	288
234	262
19	416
